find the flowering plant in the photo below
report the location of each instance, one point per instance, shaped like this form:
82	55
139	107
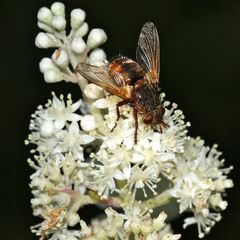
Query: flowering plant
78	160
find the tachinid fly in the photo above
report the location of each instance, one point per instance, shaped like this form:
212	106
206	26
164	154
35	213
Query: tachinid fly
136	82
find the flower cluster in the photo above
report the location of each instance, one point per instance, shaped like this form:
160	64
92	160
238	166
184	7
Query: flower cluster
71	48
79	159
199	181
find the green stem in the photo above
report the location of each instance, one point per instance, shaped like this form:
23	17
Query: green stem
156	201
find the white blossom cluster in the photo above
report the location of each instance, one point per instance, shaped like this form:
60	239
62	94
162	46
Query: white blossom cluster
199	181
79	160
71	48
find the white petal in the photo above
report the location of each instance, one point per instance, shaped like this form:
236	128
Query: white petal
74	128
127	170
101	103
137	158
57	103
76	105
74	117
86	138
59	124
119	175
166	156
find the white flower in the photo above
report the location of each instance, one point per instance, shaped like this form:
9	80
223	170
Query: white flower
60	57
197	174
45	40
142	177
103	176
78	45
70	140
58	9
92	91
45	15
53	76
96	37
97	56
47	64
59	23
82	30
77	18
60	112
204	222
88	123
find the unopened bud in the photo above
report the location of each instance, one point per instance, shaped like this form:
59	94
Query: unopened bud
96	37
88	123
77	18
78	45
59	23
45	40
82	30
60	57
92	91
52	76
58	9
45	15
97	55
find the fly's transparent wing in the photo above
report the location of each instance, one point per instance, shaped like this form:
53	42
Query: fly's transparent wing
148	52
99	75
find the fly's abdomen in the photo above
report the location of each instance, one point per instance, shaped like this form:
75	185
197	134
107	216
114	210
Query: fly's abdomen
125	68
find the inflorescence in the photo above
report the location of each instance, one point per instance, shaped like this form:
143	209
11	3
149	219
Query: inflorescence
78	160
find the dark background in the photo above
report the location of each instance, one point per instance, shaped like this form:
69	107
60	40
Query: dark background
200	70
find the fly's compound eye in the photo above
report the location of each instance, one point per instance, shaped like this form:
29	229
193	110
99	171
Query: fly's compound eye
148	119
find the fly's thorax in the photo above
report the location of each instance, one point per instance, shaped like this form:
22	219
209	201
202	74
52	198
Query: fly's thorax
126	69
147	96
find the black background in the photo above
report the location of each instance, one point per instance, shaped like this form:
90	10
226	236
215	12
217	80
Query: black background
200	70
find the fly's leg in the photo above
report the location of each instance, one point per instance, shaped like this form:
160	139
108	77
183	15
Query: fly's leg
135	114
163	125
121	103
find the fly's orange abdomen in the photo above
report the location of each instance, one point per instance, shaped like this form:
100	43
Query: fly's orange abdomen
125	68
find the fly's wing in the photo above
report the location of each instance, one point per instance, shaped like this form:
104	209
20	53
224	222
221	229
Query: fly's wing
148	52
100	76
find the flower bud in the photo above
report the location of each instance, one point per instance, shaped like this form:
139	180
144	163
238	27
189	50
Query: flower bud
146	229
96	37
60	57
59	23
45	15
47	64
47	129
78	45
52	76
73	219
45	27
97	55
158	223
58	9
77	18
101	103
135	227
68	167
44	199
63	199
92	91
88	123
82	30
45	40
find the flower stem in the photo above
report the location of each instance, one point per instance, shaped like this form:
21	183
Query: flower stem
156	201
